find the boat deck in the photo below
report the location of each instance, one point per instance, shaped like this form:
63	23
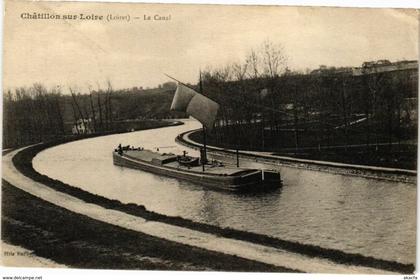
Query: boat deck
145	155
148	156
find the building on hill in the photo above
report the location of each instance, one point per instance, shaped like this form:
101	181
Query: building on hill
83	126
371	67
368	67
324	70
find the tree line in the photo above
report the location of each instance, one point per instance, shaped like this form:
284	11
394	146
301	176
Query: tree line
37	113
266	106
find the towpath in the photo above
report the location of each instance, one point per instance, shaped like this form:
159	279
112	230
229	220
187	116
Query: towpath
374	172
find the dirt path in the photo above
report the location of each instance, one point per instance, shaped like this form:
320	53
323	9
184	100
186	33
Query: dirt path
373	172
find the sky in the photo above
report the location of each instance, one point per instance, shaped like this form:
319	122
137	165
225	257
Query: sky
81	53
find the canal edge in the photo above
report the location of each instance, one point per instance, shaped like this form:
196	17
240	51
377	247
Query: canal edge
371	172
311	251
211	242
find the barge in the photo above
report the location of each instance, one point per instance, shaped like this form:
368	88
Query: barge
213	174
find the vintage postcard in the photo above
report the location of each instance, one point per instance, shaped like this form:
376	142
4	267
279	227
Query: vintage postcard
197	137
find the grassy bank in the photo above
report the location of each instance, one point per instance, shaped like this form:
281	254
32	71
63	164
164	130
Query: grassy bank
23	161
350	151
82	242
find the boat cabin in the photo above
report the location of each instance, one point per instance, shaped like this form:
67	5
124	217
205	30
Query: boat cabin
164	159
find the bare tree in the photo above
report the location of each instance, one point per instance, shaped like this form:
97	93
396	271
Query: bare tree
374	85
108	106
76	104
254	73
92	110
273	58
274	63
58	109
253	61
101	125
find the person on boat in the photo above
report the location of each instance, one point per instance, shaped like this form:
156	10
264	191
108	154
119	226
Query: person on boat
120	150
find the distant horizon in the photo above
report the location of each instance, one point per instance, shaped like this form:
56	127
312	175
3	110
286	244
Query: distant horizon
140	87
82	53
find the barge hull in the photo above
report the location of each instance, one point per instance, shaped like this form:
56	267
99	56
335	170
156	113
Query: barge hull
232	183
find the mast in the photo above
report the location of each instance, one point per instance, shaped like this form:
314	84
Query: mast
204	109
204	154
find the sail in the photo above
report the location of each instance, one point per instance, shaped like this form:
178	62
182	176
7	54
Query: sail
196	105
182	98
204	110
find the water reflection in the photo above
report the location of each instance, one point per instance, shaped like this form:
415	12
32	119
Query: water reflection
358	215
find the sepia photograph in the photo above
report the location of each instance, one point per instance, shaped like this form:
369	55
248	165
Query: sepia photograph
209	137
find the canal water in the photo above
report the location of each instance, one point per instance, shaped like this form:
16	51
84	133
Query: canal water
356	215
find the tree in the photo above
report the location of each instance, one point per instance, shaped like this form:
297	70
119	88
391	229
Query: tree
273	58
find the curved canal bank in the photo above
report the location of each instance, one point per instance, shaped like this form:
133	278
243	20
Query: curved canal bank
363	216
372	172
78	241
24	163
22	160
